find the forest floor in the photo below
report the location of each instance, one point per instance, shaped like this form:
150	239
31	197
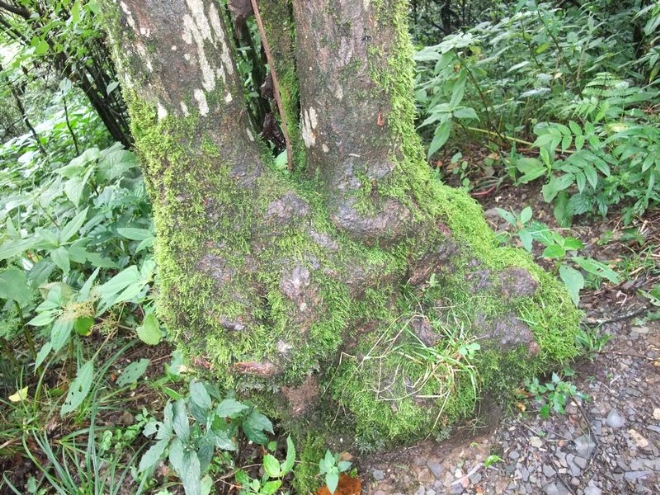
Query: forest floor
607	442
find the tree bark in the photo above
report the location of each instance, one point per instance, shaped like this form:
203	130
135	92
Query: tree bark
359	275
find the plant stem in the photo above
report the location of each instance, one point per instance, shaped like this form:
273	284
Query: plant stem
276	86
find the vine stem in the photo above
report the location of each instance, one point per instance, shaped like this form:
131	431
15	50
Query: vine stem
276	86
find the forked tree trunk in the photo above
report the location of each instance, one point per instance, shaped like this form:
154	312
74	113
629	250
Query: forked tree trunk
359	275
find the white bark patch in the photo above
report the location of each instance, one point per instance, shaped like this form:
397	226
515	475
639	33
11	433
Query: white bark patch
228	98
144	55
162	111
366	3
184	109
309	123
197	9
249	134
145	32
339	93
174	48
325	148
225	55
200	96
312	117
198	35
129	16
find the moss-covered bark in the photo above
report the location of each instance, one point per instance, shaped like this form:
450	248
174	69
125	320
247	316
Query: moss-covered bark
360	276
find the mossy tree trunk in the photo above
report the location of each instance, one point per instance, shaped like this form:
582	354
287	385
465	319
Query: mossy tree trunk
357	275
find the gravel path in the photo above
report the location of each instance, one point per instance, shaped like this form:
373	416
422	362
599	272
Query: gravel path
606	444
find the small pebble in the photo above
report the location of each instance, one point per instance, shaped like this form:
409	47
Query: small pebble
548	470
436	468
592	490
639	440
585	445
615	419
635	475
535	442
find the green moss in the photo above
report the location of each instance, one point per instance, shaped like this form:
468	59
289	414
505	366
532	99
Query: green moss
307	479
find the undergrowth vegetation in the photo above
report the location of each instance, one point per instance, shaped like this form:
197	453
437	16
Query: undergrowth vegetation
92	400
567	96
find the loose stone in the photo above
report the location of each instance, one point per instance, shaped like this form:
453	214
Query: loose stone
585	445
635	475
548	470
615	419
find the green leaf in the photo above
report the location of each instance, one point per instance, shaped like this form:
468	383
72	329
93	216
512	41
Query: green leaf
40	47
116	162
13	285
255	425
556	185
61	332
465	113
135	234
526	215
270	487
554	251
508	216
332	480
526	239
327	463
458	90
176	455
42	354
79	388
83	325
597	268
591	175
72	228
133	372
149	332
222	440
122	287
580	181
573	244
281	161
440	137
242	478
573	280
272	466
188	468
343	466
153	455
544	412
287	465
531	168
87	287
199	395
111	87
230	408
180	421
575	128
60	257
16	247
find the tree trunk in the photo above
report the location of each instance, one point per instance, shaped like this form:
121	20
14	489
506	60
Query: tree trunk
359	275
